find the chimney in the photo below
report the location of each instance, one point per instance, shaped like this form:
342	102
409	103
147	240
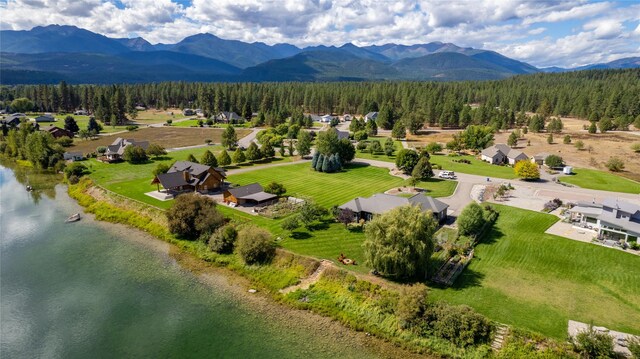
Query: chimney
186	175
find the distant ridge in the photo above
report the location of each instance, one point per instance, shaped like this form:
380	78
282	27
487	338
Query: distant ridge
42	55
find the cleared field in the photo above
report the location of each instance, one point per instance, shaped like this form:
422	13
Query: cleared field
168	137
524	277
151	116
476	167
601	180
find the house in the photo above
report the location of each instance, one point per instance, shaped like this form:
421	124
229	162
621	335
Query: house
228	117
502	154
343	134
188	112
612	219
371	116
81	113
47	117
57	132
539	158
116	149
325	118
252	194
346	117
199	112
13	120
73	156
367	207
185	176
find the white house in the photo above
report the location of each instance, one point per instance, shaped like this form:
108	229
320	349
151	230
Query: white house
502	154
612	219
325	118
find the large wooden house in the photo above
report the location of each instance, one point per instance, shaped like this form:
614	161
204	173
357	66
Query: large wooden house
252	194
185	176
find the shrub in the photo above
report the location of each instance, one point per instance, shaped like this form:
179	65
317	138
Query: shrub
566	140
459	324
131	128
375	147
275	188
579	145
552	205
76	170
255	245
134	154
422	170
527	170
101	150
471	220
406	160
65	141
433	147
412	304
553	161
223	239
191	216
615	164
592	344
156	150
161	168
360	136
636	147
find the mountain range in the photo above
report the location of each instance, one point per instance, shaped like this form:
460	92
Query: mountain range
53	53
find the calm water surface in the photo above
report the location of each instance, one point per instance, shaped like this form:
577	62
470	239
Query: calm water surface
80	291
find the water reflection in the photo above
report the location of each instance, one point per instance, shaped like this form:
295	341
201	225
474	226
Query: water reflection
42	182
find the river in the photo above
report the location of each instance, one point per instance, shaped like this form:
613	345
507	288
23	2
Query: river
82	290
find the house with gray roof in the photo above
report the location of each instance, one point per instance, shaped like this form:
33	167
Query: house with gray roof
229	117
13	120
368	207
371	116
252	194
185	176
612	219
116	149
47	117
73	156
502	154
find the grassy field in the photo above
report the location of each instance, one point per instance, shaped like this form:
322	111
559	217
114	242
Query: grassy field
167	137
523	277
477	167
601	180
158	116
329	189
82	121
380	156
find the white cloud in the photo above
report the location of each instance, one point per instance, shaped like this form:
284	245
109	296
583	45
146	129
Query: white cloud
508	26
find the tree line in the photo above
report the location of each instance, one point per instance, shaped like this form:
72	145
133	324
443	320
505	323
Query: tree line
594	94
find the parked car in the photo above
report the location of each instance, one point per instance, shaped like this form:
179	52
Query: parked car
447	174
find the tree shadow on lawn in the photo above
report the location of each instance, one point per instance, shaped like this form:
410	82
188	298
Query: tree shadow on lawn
491	237
300	235
468	279
355	164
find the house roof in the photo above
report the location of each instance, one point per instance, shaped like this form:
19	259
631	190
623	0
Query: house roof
253	192
195	169
621	205
242	191
118	146
373	114
45	118
342	134
507	151
628	224
541	156
230	115
380	203
74	154
172	179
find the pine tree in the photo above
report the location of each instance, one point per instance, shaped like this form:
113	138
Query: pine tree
253	152
192	158
238	156
224	159
326	166
314	160
209	159
319	163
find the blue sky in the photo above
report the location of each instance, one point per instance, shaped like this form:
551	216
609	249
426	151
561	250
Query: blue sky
544	33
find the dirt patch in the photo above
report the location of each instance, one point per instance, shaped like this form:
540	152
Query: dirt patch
168	137
598	148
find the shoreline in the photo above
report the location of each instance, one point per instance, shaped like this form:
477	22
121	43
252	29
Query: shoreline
236	286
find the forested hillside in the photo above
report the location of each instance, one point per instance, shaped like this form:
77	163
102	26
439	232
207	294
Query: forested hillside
594	94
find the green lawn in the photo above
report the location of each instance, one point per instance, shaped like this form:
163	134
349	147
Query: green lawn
523	277
83	122
380	156
329	189
477	167
601	180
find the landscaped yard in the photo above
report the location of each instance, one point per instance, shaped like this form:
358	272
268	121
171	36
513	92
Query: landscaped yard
601	180
82	121
477	167
380	156
523	277
168	137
